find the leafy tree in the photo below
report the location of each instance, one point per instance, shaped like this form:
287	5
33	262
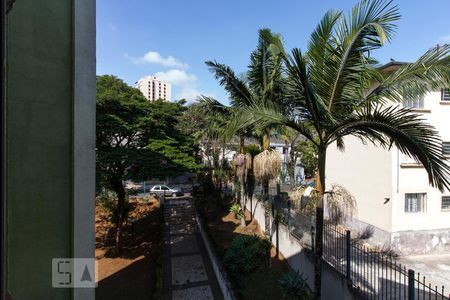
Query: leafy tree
123	130
308	156
336	88
136	139
178	149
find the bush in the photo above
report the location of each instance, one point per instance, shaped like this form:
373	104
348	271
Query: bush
237	211
293	284
246	253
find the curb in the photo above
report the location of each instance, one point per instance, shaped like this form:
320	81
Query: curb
224	283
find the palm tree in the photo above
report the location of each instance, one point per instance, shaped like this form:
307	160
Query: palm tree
337	89
218	119
263	84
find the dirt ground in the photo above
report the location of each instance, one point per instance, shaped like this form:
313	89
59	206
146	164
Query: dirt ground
132	275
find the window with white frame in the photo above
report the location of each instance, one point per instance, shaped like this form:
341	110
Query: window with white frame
415	202
445	95
446	148
415	103
406	159
445	204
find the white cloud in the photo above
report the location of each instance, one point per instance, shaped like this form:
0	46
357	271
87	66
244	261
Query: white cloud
177	77
153	57
190	94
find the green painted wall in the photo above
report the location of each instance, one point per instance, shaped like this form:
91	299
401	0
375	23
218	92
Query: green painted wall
39	149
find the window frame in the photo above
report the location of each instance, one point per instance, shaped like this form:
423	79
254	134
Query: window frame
446	209
419	100
446	145
421	207
445	95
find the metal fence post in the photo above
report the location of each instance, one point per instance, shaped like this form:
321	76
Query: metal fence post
411	288
349	252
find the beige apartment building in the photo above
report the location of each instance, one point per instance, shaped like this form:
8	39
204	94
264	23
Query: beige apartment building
153	88
392	190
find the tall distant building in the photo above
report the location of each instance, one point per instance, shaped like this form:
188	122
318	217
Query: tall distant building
153	88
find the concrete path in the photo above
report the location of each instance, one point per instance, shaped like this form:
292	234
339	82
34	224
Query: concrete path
435	268
187	270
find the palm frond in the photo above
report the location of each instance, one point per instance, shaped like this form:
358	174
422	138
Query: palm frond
301	91
210	105
430	72
409	132
264	70
369	25
238	90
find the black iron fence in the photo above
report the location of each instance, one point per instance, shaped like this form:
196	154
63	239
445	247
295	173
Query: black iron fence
374	274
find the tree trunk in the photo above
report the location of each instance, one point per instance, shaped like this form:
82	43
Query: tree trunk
291	173
291	164
120	191
243	204
320	186
241	145
266	146
266	141
242	182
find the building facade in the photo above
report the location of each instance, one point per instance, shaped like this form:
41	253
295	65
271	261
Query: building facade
153	88
48	145
392	190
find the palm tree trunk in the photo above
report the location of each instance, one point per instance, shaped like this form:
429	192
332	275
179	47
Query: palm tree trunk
266	146
266	141
290	165
320	186
243	204
242	182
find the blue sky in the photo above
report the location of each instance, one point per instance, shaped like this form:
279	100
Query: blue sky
172	39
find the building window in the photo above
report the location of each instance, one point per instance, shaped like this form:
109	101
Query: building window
413	103
445	203
406	159
415	202
446	148
445	95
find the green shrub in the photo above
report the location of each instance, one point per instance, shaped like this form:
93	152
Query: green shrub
237	211
293	284
246	253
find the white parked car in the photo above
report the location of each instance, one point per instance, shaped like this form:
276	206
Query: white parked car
160	190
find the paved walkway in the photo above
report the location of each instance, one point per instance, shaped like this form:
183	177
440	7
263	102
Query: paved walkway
435	267
187	270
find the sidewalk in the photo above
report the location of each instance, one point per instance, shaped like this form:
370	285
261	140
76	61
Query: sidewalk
187	270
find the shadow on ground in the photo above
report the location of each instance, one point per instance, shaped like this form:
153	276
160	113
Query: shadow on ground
132	275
